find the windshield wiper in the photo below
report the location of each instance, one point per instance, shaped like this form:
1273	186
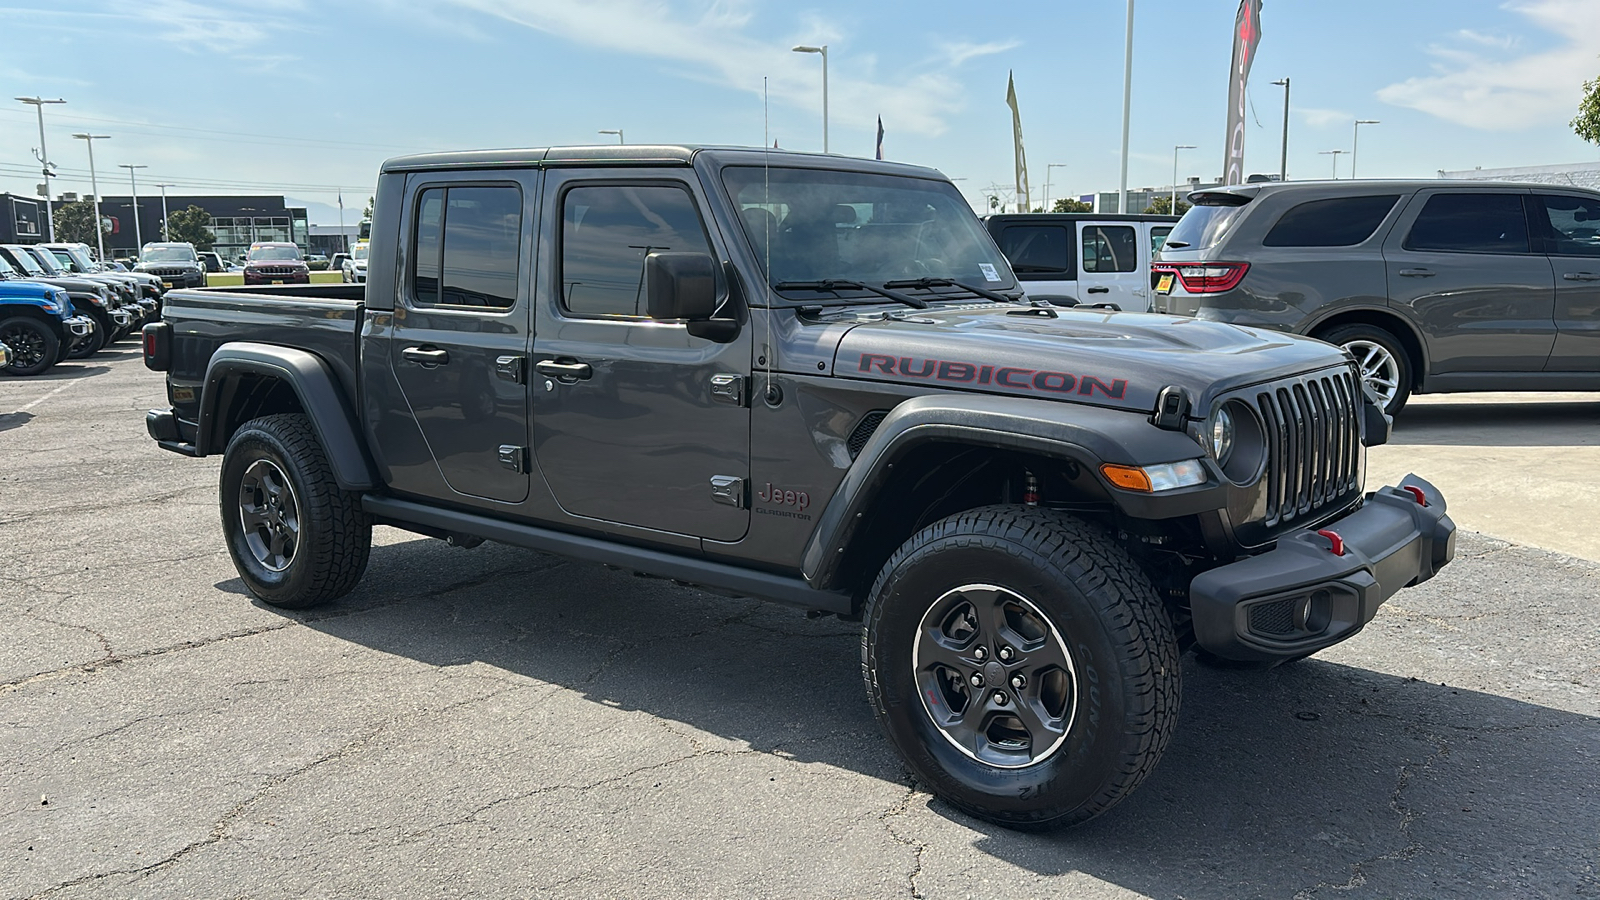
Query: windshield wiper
1175	244
985	293
832	285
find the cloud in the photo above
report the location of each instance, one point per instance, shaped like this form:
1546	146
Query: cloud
1322	118
958	53
1478	84
188	24
711	41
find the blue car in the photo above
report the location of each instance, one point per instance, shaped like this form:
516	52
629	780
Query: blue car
38	326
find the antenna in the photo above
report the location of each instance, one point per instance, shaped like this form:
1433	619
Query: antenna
765	351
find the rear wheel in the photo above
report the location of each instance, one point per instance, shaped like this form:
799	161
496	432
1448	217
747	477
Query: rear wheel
1386	368
34	347
1022	665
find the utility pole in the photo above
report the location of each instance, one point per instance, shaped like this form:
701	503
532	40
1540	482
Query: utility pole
1048	167
138	238
166	235
94	185
1283	162
1127	102
1335	155
38	104
1355	142
1172	208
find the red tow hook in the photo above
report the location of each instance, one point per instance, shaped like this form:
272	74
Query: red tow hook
1416	493
1335	543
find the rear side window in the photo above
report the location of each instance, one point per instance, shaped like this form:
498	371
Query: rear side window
608	230
1574	224
1206	222
1472	223
465	246
1110	248
1335	222
1036	248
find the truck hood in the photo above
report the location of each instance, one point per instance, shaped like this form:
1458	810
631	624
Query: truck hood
1113	359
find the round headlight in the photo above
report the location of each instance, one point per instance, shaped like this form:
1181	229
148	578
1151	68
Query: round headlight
1220	431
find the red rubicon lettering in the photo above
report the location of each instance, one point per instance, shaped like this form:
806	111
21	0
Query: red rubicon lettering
885	364
925	370
1059	382
1114	390
1003	377
956	371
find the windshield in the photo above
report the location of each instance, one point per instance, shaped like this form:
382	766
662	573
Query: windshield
23	260
68	261
1205	223
809	225
274	253
358	253
168	254
6	271
46	260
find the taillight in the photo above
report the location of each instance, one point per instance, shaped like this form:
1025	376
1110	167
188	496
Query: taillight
1206	277
157	346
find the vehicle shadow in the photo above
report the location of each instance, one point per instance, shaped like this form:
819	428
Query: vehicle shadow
1314	774
69	370
9	421
1499	424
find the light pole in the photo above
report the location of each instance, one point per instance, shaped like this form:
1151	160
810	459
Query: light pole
615	131
1283	161
94	185
1355	142
1048	167
138	237
1172	208
824	51
1335	155
1127	101
44	160
165	234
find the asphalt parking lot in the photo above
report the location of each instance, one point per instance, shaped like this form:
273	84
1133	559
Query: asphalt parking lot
496	722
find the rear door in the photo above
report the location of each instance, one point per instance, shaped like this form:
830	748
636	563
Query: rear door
1572	237
1461	264
459	346
1112	266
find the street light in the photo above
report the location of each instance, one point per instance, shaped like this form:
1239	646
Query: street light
1335	155
44	160
1173	207
1355	142
94	185
615	131
824	51
1127	102
1283	161
138	238
166	235
1047	168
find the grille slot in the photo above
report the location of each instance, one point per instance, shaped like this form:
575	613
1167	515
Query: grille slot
863	431
1313	443
275	271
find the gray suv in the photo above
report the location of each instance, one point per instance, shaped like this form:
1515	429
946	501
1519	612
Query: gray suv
1433	286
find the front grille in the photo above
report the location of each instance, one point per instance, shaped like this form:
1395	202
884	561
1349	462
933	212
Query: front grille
274	271
1313	443
168	272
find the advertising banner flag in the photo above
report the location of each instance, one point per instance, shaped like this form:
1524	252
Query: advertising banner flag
1246	34
1016	132
880	138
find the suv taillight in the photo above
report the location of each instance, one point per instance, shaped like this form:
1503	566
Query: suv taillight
1206	277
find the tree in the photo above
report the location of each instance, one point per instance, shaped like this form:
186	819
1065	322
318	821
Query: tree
1587	122
366	214
1162	205
1066	204
75	223
191	225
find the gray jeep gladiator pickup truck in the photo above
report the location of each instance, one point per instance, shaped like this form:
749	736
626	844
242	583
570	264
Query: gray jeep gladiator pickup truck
815	380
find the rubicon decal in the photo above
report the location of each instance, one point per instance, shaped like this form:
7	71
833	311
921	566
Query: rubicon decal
956	372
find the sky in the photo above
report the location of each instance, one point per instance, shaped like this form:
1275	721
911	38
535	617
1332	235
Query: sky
307	97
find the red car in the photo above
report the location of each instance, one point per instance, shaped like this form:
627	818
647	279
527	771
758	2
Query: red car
276	263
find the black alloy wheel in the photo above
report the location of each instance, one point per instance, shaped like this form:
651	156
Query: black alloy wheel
269	515
34	347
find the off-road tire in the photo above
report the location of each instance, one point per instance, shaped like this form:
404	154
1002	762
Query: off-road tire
1104	609
35	348
334	537
1345	335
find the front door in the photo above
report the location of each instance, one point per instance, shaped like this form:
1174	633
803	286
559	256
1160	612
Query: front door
459	346
636	422
1111	266
1461	264
1573	241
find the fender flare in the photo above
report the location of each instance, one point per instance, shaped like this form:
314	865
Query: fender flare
1088	435
320	394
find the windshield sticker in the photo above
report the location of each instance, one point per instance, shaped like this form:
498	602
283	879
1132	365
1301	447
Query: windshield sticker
989	274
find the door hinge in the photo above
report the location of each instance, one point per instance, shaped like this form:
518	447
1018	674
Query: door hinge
511	368
728	389
728	490
514	458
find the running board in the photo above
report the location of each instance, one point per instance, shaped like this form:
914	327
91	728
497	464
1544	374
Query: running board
697	571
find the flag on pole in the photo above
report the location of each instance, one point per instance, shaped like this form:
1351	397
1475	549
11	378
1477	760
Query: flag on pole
1246	34
880	137
1016	132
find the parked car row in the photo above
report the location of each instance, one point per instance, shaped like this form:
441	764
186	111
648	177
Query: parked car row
57	303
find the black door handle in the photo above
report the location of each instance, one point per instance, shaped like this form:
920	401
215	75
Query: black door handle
1417	273
1099	290
426	356
1581	276
563	370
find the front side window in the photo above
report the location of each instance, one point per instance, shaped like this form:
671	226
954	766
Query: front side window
1036	248
1574	224
1334	222
466	246
606	233
1471	223
1110	248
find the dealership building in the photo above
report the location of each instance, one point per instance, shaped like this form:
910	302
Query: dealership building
237	221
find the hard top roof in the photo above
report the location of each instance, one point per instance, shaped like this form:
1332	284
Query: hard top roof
645	154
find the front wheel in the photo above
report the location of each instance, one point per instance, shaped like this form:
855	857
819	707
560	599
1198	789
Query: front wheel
1022	665
296	539
34	347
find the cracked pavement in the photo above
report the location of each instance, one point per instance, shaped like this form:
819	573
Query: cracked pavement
496	722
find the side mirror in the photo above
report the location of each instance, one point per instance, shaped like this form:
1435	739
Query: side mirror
681	285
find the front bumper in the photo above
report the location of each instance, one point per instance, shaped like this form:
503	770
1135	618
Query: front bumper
78	326
290	278
1301	596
